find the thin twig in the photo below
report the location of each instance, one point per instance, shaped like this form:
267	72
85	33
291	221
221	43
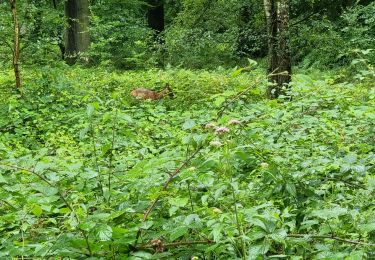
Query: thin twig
354	242
177	244
164	188
307	17
110	164
240	232
93	138
236	97
8	204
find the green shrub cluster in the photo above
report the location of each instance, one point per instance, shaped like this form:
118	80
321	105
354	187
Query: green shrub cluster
330	43
81	163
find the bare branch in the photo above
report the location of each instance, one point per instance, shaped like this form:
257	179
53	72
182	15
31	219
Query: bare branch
354	242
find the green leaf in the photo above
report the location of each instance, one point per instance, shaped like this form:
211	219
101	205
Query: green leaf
219	101
104	232
189	124
89	174
258	250
216	232
330	213
147	224
252	63
178	202
237	72
2	179
291	189
370	227
256	234
37	210
142	255
46	190
178	232
279	236
90	110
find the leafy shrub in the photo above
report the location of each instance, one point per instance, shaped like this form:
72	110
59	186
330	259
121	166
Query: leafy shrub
327	43
81	164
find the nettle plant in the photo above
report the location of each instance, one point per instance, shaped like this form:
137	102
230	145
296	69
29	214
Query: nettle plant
87	173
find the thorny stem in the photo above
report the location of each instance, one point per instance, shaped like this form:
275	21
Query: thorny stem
164	188
110	166
354	242
237	219
176	244
190	197
93	137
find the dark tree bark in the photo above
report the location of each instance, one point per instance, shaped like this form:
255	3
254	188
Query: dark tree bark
285	63
77	35
279	63
155	15
271	18
16	44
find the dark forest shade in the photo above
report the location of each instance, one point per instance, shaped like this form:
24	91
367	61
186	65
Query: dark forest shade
155	15
77	37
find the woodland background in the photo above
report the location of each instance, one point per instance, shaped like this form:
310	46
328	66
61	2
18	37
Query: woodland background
241	164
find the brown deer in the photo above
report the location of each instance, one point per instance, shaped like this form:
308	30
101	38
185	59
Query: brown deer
144	93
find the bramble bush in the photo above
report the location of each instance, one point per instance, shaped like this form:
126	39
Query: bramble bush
86	171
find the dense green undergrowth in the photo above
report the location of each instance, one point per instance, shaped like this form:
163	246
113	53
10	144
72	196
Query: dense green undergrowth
86	170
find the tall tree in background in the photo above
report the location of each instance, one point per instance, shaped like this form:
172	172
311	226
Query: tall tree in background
279	63
155	15
16	44
77	36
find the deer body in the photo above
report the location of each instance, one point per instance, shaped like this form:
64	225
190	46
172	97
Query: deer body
144	93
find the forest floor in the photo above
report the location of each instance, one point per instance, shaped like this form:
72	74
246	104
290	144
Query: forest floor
84	167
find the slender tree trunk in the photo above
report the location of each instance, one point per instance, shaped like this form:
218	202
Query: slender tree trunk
285	64
279	60
271	19
16	44
77	36
155	15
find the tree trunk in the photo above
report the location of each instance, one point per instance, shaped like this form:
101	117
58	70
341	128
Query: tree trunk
271	19
16	44
77	35
285	64
279	60
155	15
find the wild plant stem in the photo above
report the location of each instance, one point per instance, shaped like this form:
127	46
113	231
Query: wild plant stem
110	164
93	137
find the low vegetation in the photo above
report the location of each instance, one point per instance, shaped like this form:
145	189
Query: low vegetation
187	129
217	172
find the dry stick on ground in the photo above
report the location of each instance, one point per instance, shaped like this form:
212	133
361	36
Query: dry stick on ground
61	195
354	242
